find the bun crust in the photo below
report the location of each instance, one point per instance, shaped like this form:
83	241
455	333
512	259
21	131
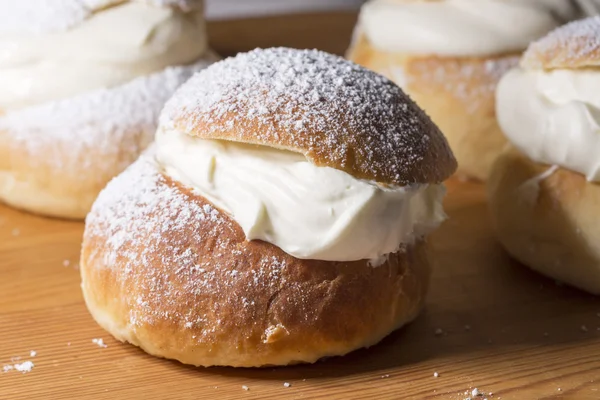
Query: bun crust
458	94
336	113
165	270
62	183
575	45
56	157
547	224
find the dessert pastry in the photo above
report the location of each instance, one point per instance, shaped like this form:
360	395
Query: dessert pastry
545	194
448	55
281	216
83	83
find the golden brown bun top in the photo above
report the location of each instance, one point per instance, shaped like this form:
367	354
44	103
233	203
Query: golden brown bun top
575	45
336	113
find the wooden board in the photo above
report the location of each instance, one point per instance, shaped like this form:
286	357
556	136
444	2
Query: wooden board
503	328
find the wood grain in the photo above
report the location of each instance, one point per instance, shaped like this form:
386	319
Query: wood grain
494	315
504	329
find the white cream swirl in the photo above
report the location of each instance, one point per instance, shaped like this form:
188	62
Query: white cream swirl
309	212
461	28
554	117
111	47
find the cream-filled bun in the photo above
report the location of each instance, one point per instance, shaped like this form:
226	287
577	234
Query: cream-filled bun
281	216
83	83
545	194
449	55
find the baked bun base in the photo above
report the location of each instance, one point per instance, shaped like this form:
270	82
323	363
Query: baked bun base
457	93
551	224
166	271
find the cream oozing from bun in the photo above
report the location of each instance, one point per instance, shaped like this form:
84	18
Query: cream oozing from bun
84	47
307	151
309	212
549	108
461	28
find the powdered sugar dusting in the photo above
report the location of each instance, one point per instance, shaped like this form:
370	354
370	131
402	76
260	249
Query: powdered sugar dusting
138	206
177	253
46	16
100	343
471	81
363	122
104	124
576	44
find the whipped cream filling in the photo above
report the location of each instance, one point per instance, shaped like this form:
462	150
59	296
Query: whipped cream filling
461	27
309	212
111	47
553	117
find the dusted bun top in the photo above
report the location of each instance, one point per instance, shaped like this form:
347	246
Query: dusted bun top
331	110
575	45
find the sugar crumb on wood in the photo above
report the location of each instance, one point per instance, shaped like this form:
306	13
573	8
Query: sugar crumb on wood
23	367
100	343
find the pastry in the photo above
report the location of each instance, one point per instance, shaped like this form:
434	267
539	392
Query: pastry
281	216
448	55
83	83
545	193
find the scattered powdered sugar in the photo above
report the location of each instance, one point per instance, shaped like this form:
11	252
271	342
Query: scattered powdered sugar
138	207
104	125
472	81
47	16
176	251
33	353
355	117
23	367
100	343
572	45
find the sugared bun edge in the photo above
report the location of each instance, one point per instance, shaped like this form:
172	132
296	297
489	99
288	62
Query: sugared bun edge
575	45
336	113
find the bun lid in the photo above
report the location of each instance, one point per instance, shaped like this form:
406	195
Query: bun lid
575	45
331	110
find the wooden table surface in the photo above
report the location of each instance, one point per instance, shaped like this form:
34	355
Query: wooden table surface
489	324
